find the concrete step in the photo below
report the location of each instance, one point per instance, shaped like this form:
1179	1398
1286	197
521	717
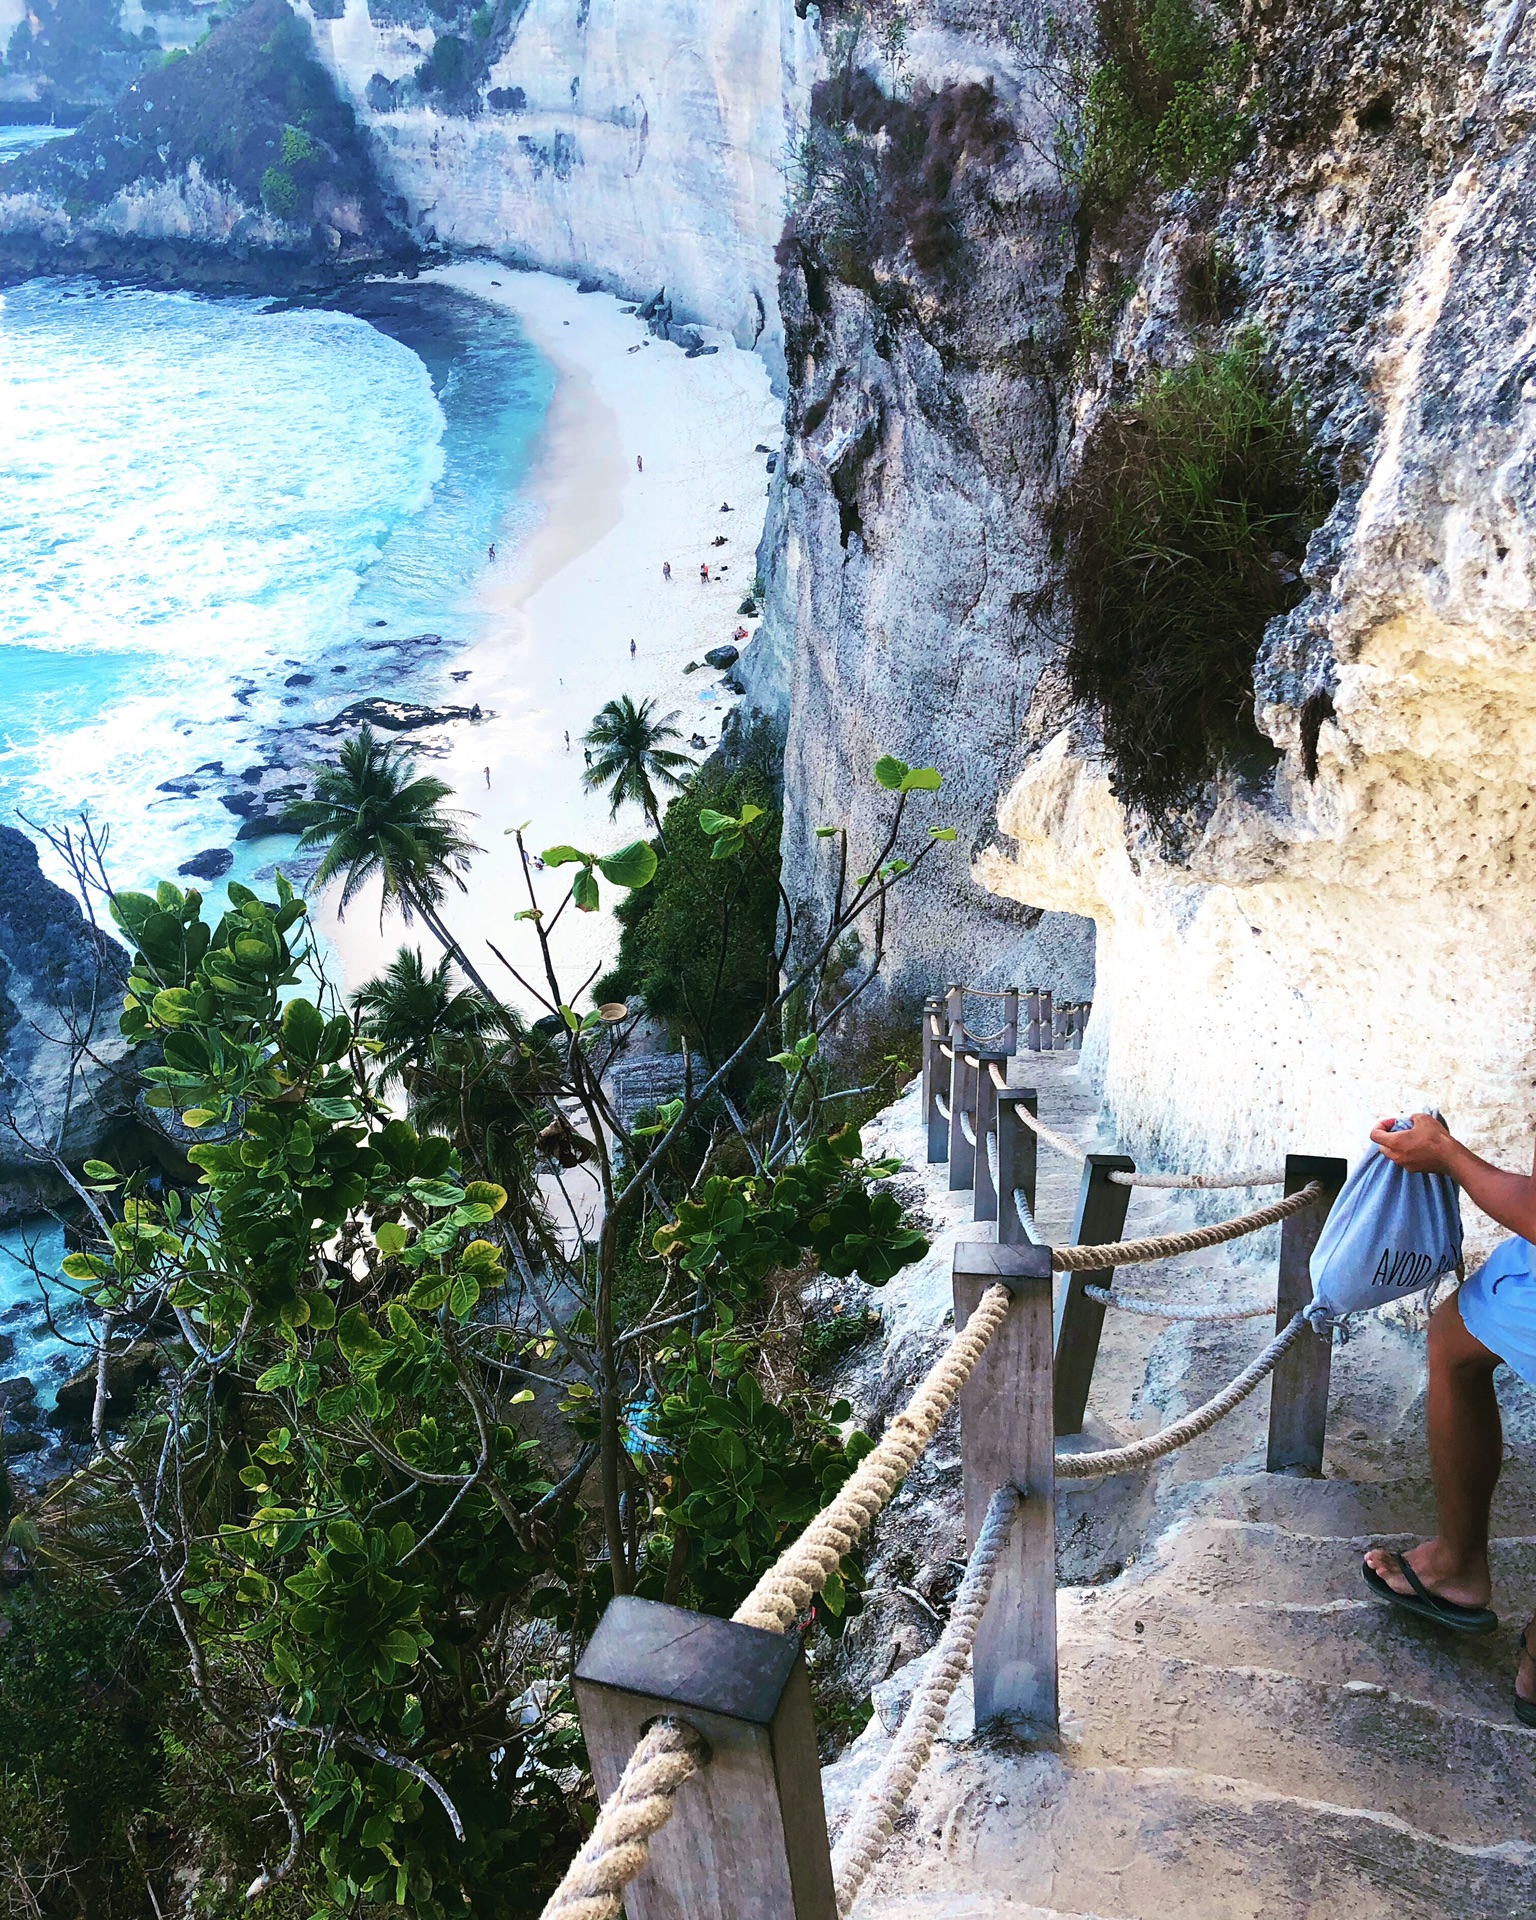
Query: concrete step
1227	1559
1339	1642
1177	1844
1450	1775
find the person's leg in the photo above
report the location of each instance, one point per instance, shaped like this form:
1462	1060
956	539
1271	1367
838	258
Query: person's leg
1466	1450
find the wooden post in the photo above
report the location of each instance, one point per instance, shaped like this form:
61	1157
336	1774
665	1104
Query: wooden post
1032	1009
1009	1039
1047	1021
748	1835
962	1107
954	1011
935	1080
1061	1034
1101	1209
1298	1394
986	1205
1016	1150
1005	1440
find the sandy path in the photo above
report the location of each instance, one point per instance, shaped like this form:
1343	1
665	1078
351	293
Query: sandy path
560	612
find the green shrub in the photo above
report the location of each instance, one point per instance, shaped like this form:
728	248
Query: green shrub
697	947
1184	531
1164	98
298	148
448	68
279	192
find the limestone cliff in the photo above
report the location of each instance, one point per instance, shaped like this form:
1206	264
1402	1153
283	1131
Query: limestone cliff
644	146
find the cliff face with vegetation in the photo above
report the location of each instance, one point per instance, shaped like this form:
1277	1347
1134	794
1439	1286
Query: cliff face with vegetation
236	161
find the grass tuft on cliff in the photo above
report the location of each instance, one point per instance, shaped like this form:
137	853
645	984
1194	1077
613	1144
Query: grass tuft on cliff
1184	531
1164	96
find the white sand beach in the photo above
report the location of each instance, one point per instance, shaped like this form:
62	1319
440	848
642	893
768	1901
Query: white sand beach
641	448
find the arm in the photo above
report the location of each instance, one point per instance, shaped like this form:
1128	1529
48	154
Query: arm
1430	1147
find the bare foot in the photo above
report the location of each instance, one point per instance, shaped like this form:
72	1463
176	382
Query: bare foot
1469	1585
1525	1677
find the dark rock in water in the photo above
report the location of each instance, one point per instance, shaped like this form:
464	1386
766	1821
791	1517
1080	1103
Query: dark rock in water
57	973
760	448
263	826
423	640
341	669
589	283
252	775
723	657
378	623
183	784
772	463
7	1347
463	674
394	716
241	804
299	680
701	351
19	1440
210	766
129	1372
19	1395
210	864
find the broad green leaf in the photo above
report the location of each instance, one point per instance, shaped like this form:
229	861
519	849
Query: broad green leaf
890	772
942	833
521	1399
632	866
584	891
486	1193
84	1266
357	1338
464	1296
922	780
303	1028
391	1237
99	1170
714	822
196	1117
563	856
749	813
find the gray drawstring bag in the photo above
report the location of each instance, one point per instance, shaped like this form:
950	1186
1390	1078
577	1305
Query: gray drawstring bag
1390	1233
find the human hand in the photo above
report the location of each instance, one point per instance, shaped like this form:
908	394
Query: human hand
1425	1148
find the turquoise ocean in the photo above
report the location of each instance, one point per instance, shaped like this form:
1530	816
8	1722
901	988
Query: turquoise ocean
222	517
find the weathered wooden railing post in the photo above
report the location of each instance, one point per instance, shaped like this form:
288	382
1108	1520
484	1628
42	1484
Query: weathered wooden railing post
1032	1014
954	1011
935	1080
1008	1039
1005	1440
1101	1209
986	1204
962	1110
1047	1021
1016	1151
748	1835
1298	1395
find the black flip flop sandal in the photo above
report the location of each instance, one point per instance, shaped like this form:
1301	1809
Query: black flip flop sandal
1525	1710
1427	1605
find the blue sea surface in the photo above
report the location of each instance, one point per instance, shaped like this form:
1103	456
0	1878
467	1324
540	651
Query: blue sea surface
222	517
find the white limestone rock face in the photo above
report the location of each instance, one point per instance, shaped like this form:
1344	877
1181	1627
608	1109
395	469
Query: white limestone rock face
647	147
1336	949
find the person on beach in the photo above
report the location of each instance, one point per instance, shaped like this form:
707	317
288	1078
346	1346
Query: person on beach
631	649
490	552
666	569
1489	1322
639	464
567	732
474	712
487	776
704	572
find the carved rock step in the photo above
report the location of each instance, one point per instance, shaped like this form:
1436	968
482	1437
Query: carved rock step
1338	1642
1460	1779
1173	1844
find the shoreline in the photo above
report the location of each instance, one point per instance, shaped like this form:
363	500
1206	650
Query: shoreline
556	614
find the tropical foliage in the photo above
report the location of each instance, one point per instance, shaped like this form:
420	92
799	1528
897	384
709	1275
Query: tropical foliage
631	756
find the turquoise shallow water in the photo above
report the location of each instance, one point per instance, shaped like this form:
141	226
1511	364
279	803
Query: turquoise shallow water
219	517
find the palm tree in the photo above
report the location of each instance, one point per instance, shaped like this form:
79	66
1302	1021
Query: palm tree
629	754
378	819
410	1008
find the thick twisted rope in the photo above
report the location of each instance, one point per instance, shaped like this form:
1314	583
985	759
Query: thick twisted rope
874	1818
804	1568
1088	1466
1173	1310
593	1887
1130	1253
968	1127
1202	1182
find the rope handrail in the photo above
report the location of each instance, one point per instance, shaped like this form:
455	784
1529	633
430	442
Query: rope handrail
968	1127
804	1568
1021	1206
1128	1253
1089	1466
1174	1309
941	1101
873	1819
670	1752
1202	1182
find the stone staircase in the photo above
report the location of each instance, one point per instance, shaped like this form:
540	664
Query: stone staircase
1246	1734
